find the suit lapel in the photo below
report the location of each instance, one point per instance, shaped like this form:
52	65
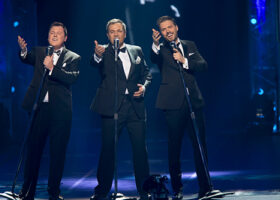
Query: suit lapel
185	47
132	60
61	58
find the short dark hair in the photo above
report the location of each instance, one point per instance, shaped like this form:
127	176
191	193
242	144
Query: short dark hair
59	24
165	18
115	21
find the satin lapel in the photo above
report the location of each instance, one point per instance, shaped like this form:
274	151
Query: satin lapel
132	60
186	49
61	58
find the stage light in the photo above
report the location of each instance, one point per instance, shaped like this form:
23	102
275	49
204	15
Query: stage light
175	9
274	128
13	89
253	21
143	2
261	91
16	23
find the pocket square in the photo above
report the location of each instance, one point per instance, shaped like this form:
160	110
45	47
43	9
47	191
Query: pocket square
64	64
191	54
138	60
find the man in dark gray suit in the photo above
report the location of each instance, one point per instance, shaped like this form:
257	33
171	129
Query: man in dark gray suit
171	99
53	115
133	78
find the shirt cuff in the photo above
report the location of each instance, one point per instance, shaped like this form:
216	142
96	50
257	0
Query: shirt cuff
186	64
23	53
144	90
97	59
50	72
155	48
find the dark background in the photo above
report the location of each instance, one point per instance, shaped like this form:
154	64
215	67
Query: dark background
222	32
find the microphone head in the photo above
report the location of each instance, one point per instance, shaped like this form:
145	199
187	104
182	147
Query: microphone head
50	50
116	43
173	44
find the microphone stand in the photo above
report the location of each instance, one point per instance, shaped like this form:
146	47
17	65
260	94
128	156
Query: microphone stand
116	195
212	193
11	195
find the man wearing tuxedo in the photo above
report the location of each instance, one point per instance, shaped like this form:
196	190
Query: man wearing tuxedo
133	78
171	99
53	115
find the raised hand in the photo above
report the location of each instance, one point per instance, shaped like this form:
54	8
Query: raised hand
156	36
22	44
99	50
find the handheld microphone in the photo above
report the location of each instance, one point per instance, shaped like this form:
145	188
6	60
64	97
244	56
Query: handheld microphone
50	50
173	45
116	47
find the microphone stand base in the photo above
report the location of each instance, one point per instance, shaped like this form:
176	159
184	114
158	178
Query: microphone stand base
120	196
9	195
215	194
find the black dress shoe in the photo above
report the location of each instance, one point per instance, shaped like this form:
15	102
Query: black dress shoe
177	196
98	197
59	197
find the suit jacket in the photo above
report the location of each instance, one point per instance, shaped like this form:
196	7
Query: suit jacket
171	92
58	84
104	101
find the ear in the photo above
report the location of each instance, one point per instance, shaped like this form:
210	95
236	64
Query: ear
177	28
65	38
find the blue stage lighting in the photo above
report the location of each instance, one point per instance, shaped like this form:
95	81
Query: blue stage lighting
253	21
261	91
16	23
274	128
13	89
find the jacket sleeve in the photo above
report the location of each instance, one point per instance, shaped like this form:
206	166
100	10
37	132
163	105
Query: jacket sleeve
196	62
146	75
30	57
68	74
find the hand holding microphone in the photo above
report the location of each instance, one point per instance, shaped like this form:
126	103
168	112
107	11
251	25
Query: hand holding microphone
48	61
176	53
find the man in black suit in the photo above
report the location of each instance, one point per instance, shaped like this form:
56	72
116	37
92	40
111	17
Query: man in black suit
53	115
133	78
171	99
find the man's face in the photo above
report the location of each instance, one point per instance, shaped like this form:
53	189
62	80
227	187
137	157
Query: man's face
169	30
116	31
57	37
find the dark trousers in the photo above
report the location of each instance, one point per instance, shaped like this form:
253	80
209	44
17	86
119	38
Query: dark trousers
58	132
178	121
137	132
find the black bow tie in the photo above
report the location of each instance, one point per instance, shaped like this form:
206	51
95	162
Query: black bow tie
58	52
122	50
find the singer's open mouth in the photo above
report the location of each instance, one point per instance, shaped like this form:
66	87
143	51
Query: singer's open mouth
169	35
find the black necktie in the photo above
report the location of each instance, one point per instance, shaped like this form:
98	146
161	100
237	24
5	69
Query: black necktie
179	49
58	52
